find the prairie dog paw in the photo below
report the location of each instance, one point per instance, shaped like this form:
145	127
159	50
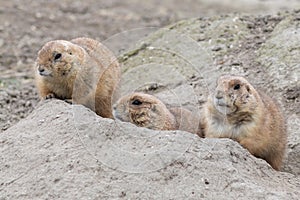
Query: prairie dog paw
69	101
50	96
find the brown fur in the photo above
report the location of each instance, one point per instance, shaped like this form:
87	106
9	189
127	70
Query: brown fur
153	113
249	117
82	70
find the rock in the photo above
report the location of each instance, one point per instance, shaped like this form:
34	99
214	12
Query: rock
292	163
63	151
1	41
187	67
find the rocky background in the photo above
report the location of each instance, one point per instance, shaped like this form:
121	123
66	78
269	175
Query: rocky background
53	154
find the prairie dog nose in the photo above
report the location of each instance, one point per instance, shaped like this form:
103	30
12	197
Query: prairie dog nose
41	69
219	94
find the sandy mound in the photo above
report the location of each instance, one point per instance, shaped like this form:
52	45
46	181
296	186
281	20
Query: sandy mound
62	151
181	63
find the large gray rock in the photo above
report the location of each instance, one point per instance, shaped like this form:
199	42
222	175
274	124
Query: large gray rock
62	151
181	63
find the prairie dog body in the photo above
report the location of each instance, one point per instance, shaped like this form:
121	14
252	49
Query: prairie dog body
146	110
236	110
82	70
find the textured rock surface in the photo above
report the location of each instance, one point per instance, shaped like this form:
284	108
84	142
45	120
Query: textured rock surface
188	56
67	152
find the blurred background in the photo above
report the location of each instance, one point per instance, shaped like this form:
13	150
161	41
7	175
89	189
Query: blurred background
26	25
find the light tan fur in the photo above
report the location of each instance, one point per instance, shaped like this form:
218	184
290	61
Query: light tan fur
146	110
236	110
81	70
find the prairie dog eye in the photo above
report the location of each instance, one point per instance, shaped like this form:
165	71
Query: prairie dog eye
136	102
237	86
57	56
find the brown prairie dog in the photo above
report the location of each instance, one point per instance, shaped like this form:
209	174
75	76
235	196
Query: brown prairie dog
236	110
82	70
145	110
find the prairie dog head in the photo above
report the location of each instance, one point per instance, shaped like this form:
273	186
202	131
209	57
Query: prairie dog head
144	110
234	94
59	59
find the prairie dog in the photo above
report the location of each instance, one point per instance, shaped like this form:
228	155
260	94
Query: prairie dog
148	111
238	111
81	70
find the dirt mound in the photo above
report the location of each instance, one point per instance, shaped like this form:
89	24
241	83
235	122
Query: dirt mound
181	63
62	151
